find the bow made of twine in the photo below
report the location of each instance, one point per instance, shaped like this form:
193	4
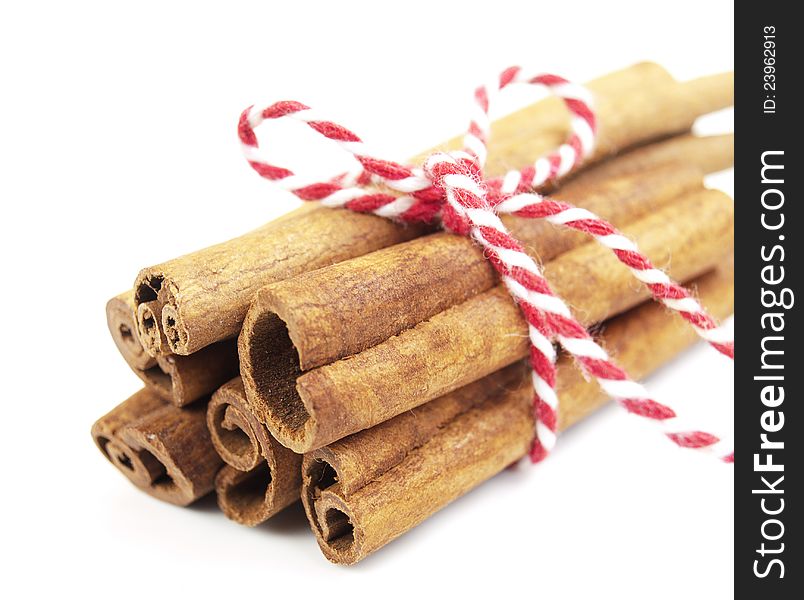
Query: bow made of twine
450	188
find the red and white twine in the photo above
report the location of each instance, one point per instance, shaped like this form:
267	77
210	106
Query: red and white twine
451	188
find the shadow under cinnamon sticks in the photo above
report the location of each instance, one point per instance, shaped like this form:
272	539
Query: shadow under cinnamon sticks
331	352
363	491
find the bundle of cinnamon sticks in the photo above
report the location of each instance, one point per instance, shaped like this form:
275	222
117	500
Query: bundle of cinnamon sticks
375	370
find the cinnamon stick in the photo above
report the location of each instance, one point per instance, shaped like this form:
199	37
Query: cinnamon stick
163	450
363	491
203	297
261	476
180	380
306	410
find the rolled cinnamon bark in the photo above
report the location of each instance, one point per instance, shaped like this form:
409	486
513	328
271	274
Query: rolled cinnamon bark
307	410
363	491
180	380
121	317
163	450
261	476
149	330
203	297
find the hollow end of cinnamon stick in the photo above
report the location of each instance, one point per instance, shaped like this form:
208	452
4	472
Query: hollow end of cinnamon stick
141	467
121	318
175	331
180	380
330	516
173	484
248	497
261	477
269	379
163	450
242	494
149	329
147	286
237	436
161	318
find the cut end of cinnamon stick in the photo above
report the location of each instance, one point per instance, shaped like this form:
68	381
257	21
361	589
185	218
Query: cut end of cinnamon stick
245	496
105	433
234	430
149	329
157	291
329	517
163	450
269	381
141	467
261	477
121	317
147	286
170	485
180	380
175	331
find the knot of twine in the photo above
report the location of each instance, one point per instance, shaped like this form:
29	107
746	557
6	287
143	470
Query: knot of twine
450	189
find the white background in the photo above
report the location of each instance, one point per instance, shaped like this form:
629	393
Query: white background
118	150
